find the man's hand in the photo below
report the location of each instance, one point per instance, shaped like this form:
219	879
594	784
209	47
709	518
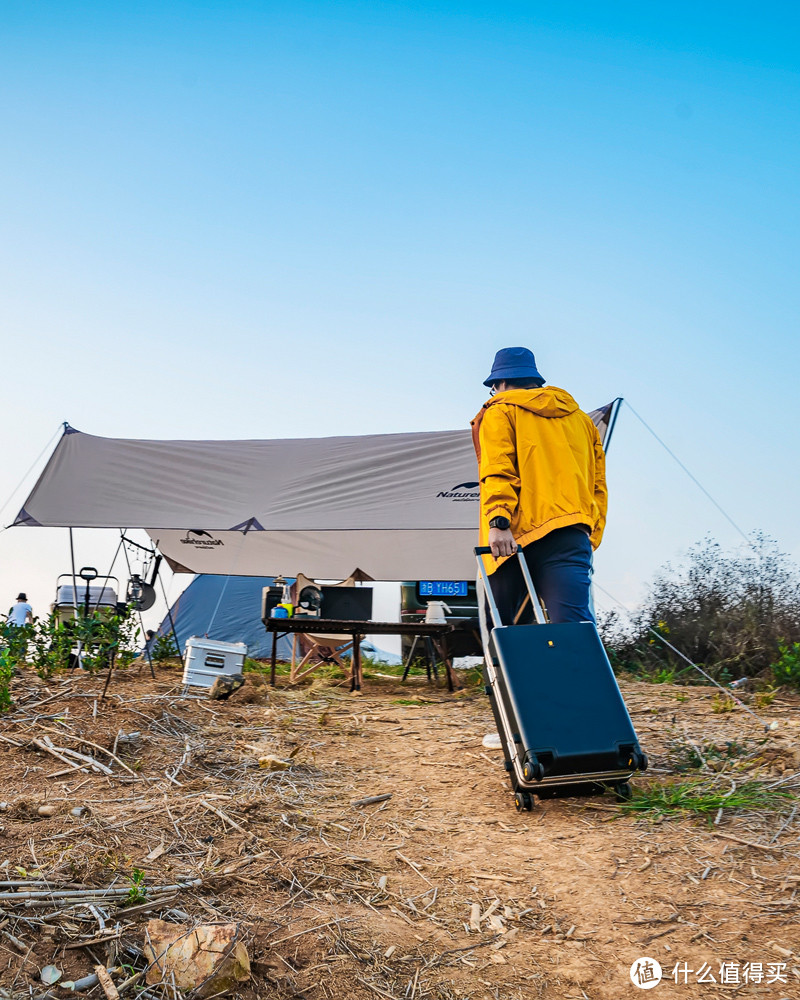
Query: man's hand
501	542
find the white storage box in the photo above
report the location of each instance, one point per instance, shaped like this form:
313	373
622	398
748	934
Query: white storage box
103	597
102	601
208	659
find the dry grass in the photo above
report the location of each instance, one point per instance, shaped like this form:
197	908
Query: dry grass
440	891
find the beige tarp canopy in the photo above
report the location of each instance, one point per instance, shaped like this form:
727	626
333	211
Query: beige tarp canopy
399	506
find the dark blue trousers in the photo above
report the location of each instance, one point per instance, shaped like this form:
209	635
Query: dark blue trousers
561	569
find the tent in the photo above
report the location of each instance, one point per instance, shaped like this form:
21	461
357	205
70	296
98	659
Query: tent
227	608
399	506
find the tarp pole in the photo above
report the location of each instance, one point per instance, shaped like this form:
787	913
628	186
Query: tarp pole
74	576
76	616
612	422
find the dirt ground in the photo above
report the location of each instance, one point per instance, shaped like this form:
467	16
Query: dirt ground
441	891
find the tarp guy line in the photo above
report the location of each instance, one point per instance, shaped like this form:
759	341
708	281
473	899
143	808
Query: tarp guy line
693	478
767	726
30	470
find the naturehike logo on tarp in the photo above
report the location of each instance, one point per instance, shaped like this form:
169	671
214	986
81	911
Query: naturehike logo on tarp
463	492
202	539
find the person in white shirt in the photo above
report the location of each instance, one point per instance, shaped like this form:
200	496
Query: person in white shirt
20	613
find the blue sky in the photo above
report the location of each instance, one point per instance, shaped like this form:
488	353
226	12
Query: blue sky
269	220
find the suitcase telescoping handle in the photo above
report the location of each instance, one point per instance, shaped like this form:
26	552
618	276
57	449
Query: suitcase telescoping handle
484	550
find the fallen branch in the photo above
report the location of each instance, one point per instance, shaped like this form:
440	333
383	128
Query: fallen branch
375	989
748	843
23	883
96	746
106	982
19	945
76	986
499	878
470	947
65	693
91	894
653	937
59	756
372	800
68	770
94	764
318	927
412	865
134	979
226	819
230	869
99	939
133	911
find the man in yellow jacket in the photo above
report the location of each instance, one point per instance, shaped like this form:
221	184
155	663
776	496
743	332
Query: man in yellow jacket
543	488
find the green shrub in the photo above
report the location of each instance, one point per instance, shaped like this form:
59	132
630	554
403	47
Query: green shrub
137	893
101	639
6	673
728	612
164	648
52	644
15	639
786	670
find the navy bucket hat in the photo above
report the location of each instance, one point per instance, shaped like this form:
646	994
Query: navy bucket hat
513	362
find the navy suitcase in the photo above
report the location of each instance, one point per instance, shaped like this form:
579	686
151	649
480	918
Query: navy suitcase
563	725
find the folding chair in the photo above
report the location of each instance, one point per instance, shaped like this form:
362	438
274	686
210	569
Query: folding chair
323	648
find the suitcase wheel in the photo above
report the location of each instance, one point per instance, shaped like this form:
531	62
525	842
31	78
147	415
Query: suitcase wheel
638	760
532	770
523	801
623	792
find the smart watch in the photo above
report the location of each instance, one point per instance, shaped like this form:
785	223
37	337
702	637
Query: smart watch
502	523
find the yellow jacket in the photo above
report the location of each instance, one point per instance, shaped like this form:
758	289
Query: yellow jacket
541	465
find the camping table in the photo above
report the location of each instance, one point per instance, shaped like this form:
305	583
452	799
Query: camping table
358	631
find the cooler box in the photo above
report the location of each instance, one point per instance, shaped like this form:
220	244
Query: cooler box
102	597
208	659
102	600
